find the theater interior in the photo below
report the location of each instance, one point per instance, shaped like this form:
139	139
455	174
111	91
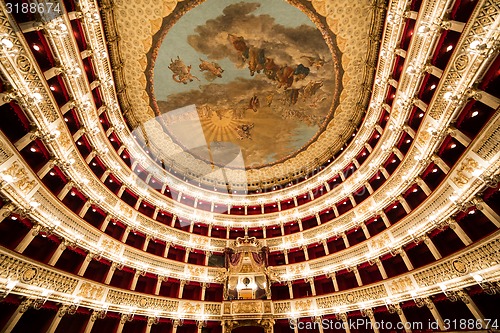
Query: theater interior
198	166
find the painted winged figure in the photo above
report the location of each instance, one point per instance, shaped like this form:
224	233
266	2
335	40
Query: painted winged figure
213	68
182	73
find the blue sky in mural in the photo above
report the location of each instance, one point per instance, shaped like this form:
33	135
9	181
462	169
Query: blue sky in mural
175	42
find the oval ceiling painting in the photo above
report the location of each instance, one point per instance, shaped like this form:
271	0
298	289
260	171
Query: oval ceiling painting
257	78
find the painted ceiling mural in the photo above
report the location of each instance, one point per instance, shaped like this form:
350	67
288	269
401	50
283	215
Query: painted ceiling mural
259	79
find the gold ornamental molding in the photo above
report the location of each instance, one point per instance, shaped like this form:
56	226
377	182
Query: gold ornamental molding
477	264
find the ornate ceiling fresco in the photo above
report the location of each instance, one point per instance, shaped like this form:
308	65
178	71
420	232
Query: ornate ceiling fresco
256	72
244	93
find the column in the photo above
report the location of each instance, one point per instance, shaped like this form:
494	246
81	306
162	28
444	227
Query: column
136	277
306	254
151	321
381	268
105	175
398	153
325	246
158	284
369	313
90	323
460	232
111	271
358	277
285	252
25	140
167	247
397	308
399	51
384	172
120	191
432	248
404	203
89	158
345	321
440	163
369	187
310	280
78	134
176	324
65	190
382	215
290	289
333	276
487	211
353	202
203	290
472	307
105	223
365	230
459	136
123	319
155	213
31	26
186	256
346	241
318	219
138	203
35	230
423	185
487	99
146	242
420	104
434	312
433	70
68	106
409	130
7	96
57	254
342	176
63	310
335	211
85	264
181	288
125	234
84	209
6	210
406	260
52	72
21	309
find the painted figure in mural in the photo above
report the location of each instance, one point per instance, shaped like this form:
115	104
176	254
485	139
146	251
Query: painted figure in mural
213	68
270	69
254	103
256	60
240	46
311	89
316	62
182	73
244	131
